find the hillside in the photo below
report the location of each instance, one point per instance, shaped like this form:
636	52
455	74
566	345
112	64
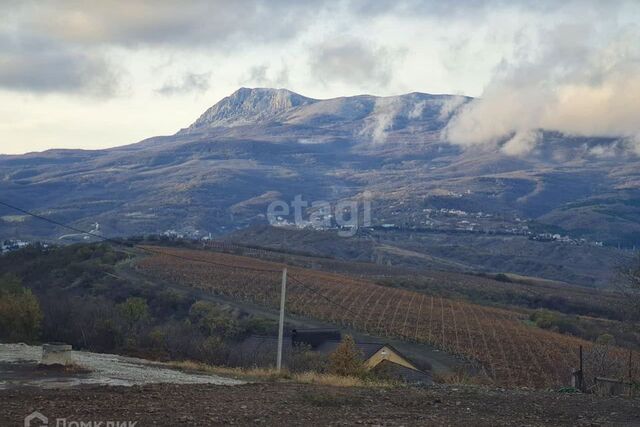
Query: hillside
448	251
500	343
262	145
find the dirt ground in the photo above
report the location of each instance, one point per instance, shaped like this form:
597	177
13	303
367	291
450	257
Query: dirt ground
286	404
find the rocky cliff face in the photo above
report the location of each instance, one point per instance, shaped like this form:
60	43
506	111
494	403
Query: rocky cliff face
248	106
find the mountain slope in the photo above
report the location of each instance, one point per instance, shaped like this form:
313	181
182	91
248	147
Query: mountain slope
259	145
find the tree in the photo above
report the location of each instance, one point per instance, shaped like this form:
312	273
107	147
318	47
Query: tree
134	309
347	359
628	284
600	359
212	321
20	314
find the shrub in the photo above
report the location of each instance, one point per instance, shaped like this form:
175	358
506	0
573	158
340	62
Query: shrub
213	350
134	309
544	319
303	359
347	359
259	326
20	314
213	321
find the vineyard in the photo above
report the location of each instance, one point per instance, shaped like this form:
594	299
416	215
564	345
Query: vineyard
499	342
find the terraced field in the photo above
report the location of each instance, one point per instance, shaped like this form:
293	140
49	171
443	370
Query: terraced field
506	349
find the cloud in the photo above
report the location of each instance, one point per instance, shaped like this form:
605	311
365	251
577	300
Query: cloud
580	77
41	67
166	22
351	61
521	143
385	111
560	65
65	46
188	83
633	143
266	76
450	106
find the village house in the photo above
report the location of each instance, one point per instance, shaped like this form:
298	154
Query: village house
378	357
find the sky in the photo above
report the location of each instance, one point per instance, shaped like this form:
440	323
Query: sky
92	75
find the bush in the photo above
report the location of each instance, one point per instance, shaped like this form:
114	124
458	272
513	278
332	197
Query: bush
601	360
347	359
211	320
20	314
259	326
134	309
83	303
544	319
213	351
304	359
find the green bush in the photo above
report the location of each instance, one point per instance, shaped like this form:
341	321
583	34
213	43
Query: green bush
211	320
544	319
134	309
259	326
20	314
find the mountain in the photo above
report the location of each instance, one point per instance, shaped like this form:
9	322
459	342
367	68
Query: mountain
249	106
260	145
361	118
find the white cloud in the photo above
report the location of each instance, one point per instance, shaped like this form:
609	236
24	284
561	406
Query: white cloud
450	106
532	69
385	111
579	76
521	143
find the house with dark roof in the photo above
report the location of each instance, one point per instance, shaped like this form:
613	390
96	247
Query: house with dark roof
314	337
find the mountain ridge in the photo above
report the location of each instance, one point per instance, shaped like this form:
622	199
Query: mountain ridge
256	146
253	106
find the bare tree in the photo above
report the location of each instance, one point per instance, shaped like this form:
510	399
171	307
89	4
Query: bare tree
627	282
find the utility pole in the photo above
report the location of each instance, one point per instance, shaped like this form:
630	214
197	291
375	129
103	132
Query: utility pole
581	372
281	325
577	376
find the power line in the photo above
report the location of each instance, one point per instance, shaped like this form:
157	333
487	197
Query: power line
60	224
120	243
256	269
318	293
184	258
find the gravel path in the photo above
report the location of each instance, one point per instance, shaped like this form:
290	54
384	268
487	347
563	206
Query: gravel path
18	368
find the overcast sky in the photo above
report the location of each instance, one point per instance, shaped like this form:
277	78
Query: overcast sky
75	74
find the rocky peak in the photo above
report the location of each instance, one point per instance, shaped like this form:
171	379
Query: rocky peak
249	106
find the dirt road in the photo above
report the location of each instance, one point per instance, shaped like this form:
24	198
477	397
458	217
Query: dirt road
19	367
285	404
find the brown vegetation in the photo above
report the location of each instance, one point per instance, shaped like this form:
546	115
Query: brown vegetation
504	347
